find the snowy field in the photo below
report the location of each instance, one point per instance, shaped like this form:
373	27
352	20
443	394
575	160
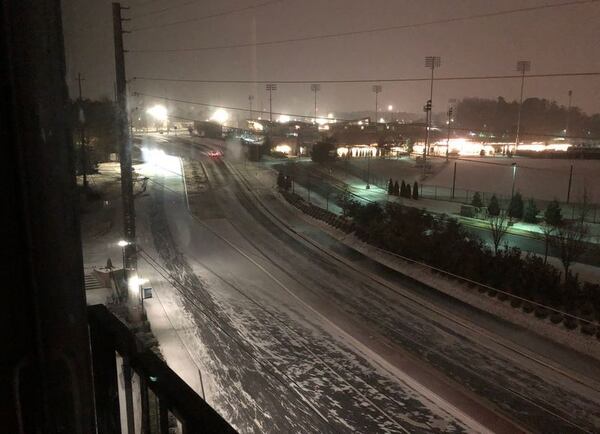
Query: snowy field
542	179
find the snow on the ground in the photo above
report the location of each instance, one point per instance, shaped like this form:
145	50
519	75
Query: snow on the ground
542	179
512	374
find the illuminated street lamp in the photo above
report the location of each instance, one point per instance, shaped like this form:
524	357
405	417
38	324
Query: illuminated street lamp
122	244
220	116
158	113
390	108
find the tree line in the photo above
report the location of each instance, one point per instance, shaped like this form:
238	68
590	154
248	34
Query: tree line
538	115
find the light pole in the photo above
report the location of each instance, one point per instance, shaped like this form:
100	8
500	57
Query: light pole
390	108
522	66
514	176
250	99
377	89
448	122
315	87
271	87
568	114
431	62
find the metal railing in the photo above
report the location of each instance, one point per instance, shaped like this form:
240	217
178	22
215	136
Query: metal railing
166	401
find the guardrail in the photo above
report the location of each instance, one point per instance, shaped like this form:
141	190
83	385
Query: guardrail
166	400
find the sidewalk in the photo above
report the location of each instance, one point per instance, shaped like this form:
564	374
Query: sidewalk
101	230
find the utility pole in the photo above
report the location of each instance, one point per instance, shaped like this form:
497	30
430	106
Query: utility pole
250	99
569	186
448	122
431	62
522	66
134	299
81	115
315	87
568	114
271	87
377	89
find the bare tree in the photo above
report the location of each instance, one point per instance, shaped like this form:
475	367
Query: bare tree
548	231
498	228
570	240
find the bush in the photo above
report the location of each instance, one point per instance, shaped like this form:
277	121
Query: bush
494	206
541	312
588	329
556	317
415	191
476	201
527	307
515	207
570	323
531	211
516	302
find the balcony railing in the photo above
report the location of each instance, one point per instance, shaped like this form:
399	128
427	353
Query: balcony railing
154	396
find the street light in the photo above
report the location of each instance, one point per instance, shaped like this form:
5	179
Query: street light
377	89
122	244
522	66
390	108
271	87
159	113
220	116
315	87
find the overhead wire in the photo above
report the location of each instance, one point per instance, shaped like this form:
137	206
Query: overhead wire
373	80
195	19
369	31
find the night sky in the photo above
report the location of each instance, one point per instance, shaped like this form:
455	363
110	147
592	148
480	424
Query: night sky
556	40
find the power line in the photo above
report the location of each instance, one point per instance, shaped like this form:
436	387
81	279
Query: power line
373	80
191	20
373	30
294	115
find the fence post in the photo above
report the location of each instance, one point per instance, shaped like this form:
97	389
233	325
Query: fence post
454	180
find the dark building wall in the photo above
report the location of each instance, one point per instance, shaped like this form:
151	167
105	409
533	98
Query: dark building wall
45	381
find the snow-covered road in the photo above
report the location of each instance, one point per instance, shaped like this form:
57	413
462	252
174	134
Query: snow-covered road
290	340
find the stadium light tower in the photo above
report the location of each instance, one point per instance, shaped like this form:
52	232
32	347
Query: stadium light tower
522	66
568	113
431	62
315	87
271	87
377	88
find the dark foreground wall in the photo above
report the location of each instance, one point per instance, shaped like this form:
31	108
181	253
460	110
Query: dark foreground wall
45	382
